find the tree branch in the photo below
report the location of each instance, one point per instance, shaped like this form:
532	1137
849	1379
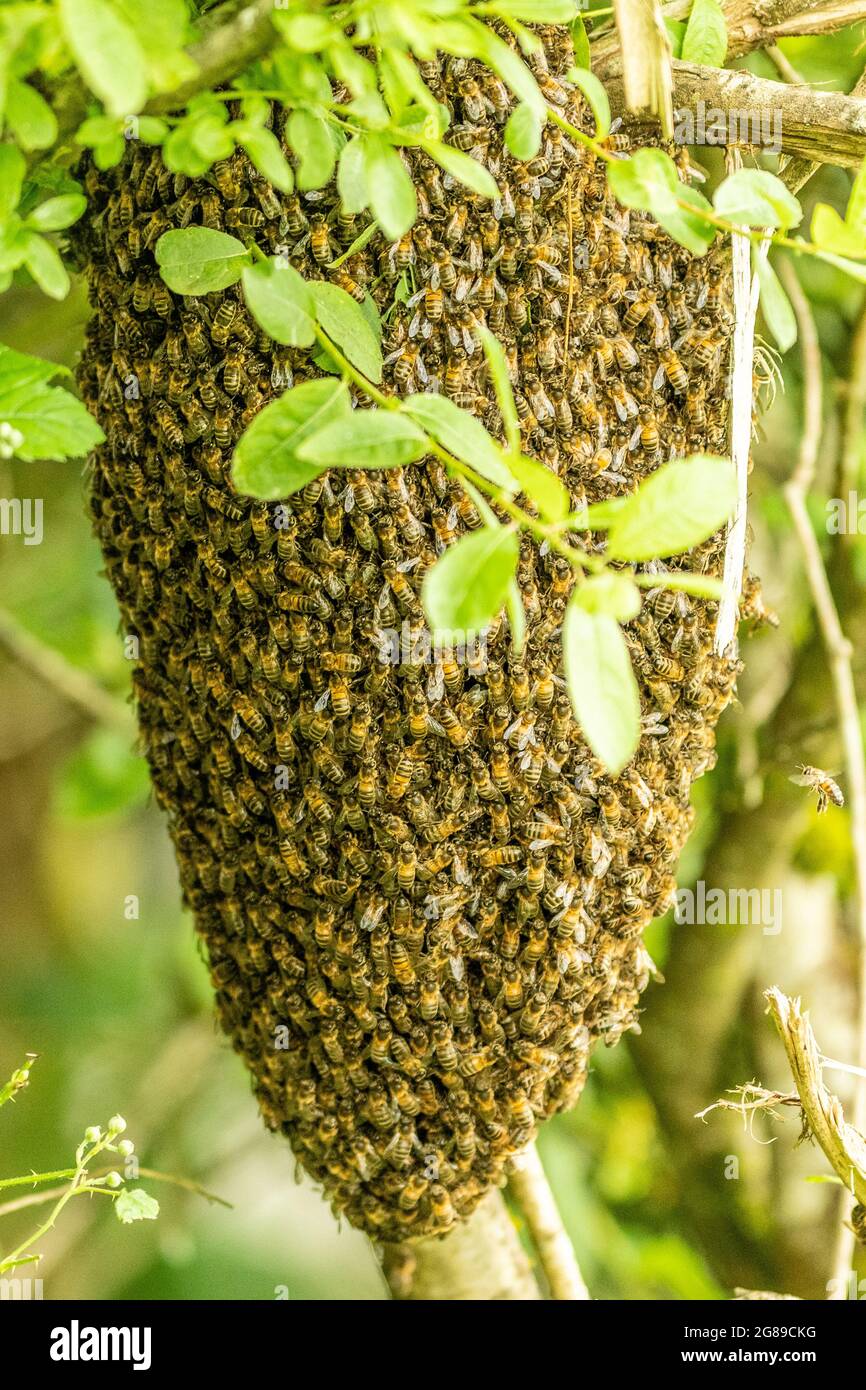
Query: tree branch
826	126
480	1260
529	1184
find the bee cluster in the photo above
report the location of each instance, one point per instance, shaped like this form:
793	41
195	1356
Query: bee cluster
421	898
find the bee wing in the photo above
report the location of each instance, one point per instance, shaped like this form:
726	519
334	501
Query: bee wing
801	780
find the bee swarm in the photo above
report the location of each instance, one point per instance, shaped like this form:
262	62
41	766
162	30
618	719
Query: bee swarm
421	899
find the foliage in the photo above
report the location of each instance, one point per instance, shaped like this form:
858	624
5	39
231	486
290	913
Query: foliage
128	59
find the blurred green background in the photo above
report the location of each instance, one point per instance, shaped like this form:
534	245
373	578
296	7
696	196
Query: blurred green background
659	1204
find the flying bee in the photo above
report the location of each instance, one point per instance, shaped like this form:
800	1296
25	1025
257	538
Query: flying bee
821	783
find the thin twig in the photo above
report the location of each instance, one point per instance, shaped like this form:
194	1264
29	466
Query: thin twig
839	653
35	1199
74	686
538	1205
854	413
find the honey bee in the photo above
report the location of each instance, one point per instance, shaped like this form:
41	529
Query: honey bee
671	367
821	783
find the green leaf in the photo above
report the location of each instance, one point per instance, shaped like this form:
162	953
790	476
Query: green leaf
615	594
757	198
463	435
30	118
12	169
855	213
676	508
498	368
776	307
463	167
676	33
832	234
197	260
107	53
266	462
687	582
690	229
596	96
352	177
369	439
534	11
43	261
495	52
857	272
390	192
134	1204
601	684
56	213
280	300
53	423
470	582
547	492
580	43
310	138
706	36
523	131
347	323
264	150
643	179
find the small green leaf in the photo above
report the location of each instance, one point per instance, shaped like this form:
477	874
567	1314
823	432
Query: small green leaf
53	423
601	684
596	97
580	43
30	118
310	138
832	234
107	52
12	168
523	131
855	213
134	1204
643	178
197	260
57	213
547	492
351	176
347	324
690	229
687	582
390	192
266	462
463	435
470	583
264	150
776	307
280	301
463	167
757	198
535	11
706	36
676	33
857	272
369	439
615	594
43	261
498	368
677	507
